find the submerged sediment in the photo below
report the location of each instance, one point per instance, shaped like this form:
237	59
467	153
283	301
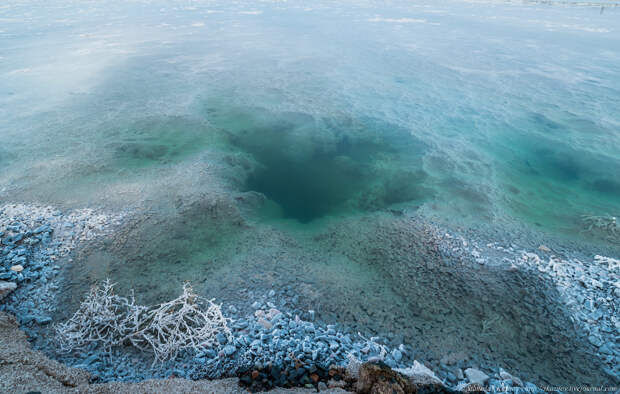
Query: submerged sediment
443	280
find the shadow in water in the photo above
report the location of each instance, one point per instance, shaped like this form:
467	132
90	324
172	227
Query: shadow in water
316	167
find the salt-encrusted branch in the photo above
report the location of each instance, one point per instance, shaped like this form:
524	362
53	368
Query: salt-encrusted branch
188	322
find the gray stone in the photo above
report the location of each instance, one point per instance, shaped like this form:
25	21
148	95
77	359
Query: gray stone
265	324
419	374
506	376
476	376
6	288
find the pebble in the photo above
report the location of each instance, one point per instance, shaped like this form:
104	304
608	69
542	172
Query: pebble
265	324
43	319
229	350
221	338
43	228
595	340
606	349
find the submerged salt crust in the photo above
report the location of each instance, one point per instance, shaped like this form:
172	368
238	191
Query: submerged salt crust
271	143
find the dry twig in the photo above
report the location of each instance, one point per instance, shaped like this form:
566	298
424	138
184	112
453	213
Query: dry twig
188	322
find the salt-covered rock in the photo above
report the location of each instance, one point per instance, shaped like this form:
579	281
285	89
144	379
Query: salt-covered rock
506	376
544	248
418	373
476	376
264	323
353	367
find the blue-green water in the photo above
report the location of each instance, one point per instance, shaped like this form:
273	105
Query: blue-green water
262	142
311	168
508	110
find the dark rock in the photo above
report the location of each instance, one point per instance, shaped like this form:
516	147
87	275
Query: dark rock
378	378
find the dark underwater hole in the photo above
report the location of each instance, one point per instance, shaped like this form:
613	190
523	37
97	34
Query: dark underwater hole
310	188
314	168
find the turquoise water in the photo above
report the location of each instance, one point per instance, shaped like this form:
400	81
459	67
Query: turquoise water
269	142
311	168
504	110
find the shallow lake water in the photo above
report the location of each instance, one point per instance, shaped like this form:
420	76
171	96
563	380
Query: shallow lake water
264	142
490	108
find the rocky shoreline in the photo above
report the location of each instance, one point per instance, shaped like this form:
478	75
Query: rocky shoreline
32	242
25	370
589	287
279	345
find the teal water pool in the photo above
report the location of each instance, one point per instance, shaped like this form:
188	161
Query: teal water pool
265	142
